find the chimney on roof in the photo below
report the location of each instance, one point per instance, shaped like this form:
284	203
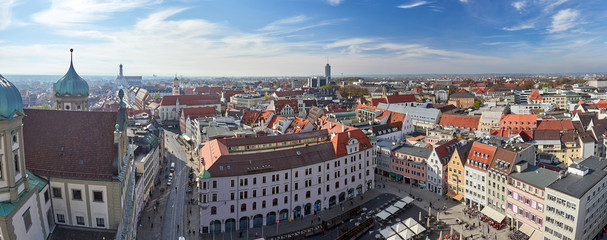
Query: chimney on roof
348	134
343	128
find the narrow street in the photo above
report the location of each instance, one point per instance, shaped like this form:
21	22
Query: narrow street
173	225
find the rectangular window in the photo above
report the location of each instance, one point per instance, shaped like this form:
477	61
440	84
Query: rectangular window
57	192
79	220
76	194
61	218
46	196
27	220
100	222
97	196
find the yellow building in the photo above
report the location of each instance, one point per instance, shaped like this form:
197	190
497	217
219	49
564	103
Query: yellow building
456	173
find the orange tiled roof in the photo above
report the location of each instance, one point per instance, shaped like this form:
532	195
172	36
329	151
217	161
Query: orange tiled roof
481	153
535	95
555	124
340	140
383	115
397	117
460	121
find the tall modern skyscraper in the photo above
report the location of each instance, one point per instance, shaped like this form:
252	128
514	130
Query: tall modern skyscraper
328	72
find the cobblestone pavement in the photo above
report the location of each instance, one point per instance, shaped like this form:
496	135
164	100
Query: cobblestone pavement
454	210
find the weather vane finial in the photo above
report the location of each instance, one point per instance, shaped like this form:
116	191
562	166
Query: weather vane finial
71	54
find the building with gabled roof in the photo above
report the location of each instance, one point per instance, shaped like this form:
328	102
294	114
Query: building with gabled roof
456	172
502	165
462	122
172	105
437	166
478	162
284	107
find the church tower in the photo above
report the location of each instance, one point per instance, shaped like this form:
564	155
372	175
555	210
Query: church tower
176	89
71	91
13	177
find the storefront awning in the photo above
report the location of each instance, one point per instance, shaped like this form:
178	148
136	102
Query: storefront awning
526	229
493	214
186	137
454	196
537	235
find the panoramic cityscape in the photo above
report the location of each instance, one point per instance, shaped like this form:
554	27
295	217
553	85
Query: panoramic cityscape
321	119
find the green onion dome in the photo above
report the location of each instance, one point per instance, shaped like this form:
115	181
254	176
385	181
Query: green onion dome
10	100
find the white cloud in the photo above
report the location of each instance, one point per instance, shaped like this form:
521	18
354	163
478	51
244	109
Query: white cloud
412	5
335	2
564	20
285	22
6	7
68	12
464	1
519	27
519	5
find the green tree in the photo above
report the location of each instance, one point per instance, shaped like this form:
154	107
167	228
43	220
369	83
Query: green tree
157	95
43	106
476	104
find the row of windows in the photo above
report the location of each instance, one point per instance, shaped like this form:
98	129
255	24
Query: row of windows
524	213
76	194
80	220
529	202
276	189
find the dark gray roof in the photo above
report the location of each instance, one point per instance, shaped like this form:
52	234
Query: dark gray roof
576	185
414	151
536	176
460	95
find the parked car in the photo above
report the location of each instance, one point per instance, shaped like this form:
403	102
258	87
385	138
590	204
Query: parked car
169	182
170	176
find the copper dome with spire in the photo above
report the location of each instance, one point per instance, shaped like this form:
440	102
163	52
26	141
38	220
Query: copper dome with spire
71	84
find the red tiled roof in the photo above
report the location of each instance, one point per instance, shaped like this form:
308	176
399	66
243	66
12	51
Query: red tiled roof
249	117
199	112
132	112
555	124
73	144
397	117
274	121
445	150
341	137
188	91
297	125
460	121
405	98
375	101
264	115
481	153
189	100
207	90
519	118
535	95
383	115
279	104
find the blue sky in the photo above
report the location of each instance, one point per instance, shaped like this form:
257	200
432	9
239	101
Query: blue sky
295	37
